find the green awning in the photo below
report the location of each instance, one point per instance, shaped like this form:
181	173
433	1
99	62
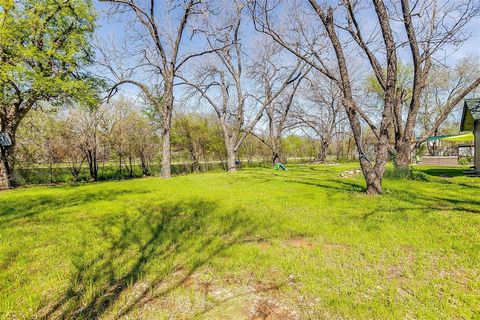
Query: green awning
454	137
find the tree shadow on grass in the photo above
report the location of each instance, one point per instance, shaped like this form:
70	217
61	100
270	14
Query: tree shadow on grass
443	172
29	207
323	181
145	257
331	184
427	202
434	202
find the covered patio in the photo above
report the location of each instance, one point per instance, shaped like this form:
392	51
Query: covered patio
468	138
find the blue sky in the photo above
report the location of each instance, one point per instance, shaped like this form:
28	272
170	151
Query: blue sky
109	28
113	29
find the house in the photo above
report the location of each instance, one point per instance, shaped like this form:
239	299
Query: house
471	122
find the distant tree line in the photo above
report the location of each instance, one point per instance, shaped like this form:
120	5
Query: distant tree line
121	140
228	80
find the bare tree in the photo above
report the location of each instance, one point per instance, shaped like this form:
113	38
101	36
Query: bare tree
216	80
278	113
443	86
73	157
430	27
269	71
341	75
161	54
320	111
434	30
89	126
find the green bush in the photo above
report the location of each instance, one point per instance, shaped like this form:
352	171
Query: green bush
398	174
465	161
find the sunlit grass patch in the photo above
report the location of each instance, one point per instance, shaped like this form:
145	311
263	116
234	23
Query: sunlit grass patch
307	242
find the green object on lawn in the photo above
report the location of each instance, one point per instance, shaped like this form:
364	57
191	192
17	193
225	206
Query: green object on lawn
279	166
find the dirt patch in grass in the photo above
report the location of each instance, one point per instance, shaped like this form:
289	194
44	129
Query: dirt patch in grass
335	246
306	243
203	295
269	309
264	245
394	272
300	242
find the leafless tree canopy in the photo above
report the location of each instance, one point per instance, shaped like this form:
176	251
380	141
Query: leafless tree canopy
418	31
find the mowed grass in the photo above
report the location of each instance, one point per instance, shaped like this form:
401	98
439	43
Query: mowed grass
304	243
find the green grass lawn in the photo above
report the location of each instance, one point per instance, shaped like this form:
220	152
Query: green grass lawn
305	243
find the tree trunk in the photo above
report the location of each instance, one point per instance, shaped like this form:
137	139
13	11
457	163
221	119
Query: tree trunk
50	170
6	168
120	165
373	174
351	149
75	170
144	164
231	158
130	167
230	140
275	157
432	149
275	150
193	153
403	156
374	182
92	164
195	166
167	125
322	152
166	154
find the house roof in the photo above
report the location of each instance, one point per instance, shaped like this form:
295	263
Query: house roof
471	113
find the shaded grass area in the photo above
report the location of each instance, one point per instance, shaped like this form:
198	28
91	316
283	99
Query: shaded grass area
61	173
209	245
